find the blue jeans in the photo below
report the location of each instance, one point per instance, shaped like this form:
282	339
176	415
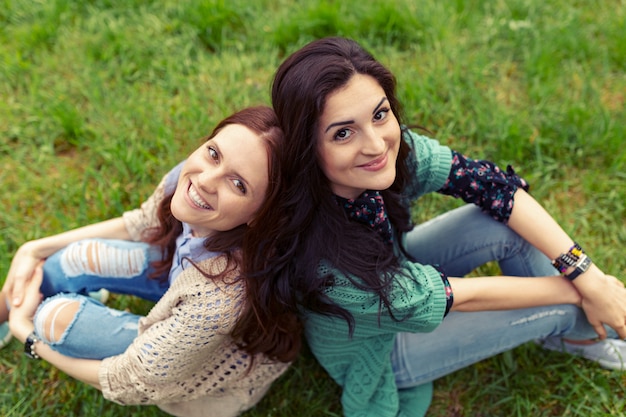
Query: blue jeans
460	241
96	331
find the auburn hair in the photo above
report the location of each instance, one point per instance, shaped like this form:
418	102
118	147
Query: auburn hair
263	327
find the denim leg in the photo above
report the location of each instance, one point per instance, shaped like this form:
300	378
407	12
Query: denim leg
119	266
465	238
95	332
459	241
466	338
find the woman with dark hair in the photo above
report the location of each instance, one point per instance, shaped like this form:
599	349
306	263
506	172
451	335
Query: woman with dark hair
373	289
189	247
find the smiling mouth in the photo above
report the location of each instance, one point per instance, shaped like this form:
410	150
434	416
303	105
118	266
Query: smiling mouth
196	199
376	164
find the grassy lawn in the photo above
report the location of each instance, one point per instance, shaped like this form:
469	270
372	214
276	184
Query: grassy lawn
99	98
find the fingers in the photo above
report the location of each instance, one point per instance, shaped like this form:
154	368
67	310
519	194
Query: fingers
34	284
601	331
16	293
621	331
37	277
32	295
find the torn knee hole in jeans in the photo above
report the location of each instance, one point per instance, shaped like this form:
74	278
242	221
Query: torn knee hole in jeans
99	258
55	317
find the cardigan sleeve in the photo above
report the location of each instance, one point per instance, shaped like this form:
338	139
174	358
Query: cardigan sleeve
417	297
140	220
428	163
183	345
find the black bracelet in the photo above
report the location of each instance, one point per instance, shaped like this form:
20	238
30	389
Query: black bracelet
29	346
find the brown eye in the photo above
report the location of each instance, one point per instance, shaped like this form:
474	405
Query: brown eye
381	114
213	154
240	186
342	134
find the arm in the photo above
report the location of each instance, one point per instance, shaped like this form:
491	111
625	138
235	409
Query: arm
502	195
130	226
21	324
603	296
31	253
191	344
506	293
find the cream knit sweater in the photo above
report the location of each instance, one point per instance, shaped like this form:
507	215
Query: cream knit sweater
184	360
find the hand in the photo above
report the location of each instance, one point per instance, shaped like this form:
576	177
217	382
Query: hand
604	301
615	281
20	273
21	317
32	296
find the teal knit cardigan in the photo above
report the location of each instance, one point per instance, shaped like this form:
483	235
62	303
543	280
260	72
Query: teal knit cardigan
361	364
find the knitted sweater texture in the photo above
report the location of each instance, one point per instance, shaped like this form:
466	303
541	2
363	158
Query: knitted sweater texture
184	353
361	363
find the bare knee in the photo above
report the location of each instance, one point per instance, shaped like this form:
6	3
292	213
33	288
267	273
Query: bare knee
55	317
103	259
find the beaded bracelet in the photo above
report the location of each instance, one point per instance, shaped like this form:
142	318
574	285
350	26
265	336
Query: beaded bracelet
569	259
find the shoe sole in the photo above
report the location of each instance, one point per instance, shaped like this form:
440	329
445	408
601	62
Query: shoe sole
614	366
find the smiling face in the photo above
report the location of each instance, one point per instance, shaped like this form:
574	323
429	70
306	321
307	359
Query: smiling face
223	183
359	138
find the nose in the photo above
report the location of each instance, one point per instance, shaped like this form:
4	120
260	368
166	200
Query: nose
208	180
373	141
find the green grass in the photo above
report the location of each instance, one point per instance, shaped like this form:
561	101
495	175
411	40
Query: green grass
100	98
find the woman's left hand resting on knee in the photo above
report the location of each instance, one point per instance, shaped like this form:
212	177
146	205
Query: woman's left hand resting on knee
21	324
603	296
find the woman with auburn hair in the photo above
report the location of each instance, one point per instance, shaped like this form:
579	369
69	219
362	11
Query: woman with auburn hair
190	247
384	307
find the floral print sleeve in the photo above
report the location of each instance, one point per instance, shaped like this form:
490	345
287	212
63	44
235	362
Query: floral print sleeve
483	183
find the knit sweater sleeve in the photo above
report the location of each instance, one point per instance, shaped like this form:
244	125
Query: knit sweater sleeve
183	350
140	220
417	298
429	162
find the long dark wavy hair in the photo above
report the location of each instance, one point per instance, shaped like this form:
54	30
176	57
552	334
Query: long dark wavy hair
317	228
261	328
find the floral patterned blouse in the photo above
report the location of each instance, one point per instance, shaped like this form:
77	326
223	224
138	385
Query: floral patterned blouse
478	182
483	183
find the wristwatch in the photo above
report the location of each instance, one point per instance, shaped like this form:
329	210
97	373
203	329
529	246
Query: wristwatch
581	267
29	346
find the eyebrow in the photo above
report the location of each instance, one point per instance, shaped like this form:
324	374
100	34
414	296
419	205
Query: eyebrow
380	103
346	122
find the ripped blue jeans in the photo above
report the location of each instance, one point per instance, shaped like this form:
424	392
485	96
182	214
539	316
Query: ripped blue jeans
460	241
76	325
